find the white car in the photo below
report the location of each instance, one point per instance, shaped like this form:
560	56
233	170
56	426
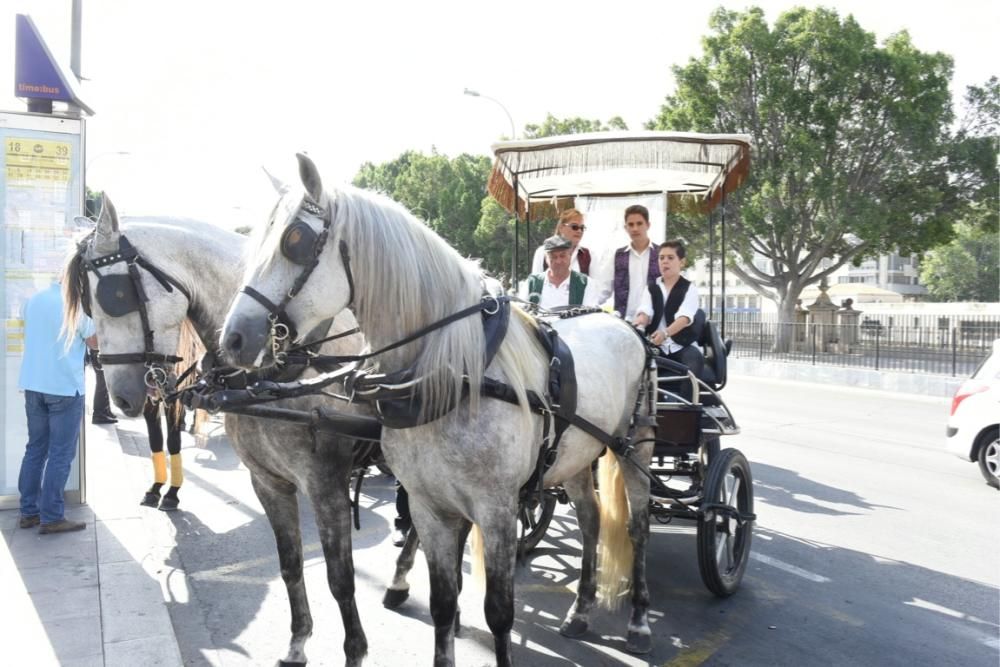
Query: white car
974	425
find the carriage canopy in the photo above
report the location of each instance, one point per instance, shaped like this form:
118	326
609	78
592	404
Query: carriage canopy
692	169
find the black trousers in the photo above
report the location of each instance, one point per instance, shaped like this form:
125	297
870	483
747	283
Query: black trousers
690	356
102	402
402	507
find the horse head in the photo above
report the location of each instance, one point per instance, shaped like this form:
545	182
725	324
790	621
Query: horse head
296	279
113	290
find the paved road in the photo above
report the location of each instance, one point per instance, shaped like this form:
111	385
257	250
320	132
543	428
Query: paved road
873	547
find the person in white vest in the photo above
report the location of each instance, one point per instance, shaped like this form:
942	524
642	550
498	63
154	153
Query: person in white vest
559	285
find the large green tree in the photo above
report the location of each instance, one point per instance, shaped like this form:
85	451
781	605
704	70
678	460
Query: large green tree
967	268
445	192
849	151
973	149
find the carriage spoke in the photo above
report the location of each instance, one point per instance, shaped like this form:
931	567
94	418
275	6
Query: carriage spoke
720	545
732	490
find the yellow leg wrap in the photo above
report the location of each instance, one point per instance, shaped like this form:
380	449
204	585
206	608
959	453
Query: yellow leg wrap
176	470
160	467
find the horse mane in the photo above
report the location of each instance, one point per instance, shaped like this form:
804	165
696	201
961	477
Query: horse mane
407	277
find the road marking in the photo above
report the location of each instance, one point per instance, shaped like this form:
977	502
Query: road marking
788	567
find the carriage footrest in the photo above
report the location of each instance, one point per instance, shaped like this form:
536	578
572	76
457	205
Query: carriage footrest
717	416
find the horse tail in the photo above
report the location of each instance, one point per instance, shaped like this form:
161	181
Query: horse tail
614	547
477	548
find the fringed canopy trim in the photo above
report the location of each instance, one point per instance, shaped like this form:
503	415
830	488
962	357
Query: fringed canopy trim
692	169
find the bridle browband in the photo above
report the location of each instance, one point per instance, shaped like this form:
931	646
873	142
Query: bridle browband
156	375
300	245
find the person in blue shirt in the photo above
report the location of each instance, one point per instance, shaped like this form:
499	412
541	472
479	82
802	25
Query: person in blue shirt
52	379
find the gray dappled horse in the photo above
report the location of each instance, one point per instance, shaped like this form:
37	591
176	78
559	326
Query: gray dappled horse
206	262
323	252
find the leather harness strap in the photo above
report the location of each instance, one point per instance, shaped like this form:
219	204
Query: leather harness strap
130	255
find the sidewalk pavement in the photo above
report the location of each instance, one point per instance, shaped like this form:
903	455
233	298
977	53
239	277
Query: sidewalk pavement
94	597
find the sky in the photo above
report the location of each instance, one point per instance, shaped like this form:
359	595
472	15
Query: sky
201	95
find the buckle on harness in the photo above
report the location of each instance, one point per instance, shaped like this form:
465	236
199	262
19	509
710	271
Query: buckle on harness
496	305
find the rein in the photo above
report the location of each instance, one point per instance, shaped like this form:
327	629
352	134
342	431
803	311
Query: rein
481	307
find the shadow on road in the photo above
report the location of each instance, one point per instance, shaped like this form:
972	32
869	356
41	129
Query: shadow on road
787	488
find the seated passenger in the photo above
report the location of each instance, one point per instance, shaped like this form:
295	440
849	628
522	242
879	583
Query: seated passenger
570	226
630	267
559	285
668	308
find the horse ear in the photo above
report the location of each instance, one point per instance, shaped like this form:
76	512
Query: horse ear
280	186
310	178
106	236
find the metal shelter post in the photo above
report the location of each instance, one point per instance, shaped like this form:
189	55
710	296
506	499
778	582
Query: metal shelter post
513	266
527	232
711	262
723	252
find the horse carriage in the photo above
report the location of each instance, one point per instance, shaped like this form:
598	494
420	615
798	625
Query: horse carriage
471	395
692	173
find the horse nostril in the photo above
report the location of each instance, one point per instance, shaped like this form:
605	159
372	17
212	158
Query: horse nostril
123	404
234	342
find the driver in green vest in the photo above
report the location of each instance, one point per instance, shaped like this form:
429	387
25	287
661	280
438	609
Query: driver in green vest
560	285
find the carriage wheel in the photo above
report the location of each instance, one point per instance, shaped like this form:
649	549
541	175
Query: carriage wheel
723	540
535	518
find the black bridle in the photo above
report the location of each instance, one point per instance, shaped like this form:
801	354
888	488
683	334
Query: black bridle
120	295
301	245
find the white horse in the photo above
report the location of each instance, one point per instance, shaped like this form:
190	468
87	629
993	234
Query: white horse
461	466
205	262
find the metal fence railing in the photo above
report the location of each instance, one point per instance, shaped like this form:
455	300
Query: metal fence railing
938	344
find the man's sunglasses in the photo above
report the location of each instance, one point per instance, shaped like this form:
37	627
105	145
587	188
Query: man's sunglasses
575	227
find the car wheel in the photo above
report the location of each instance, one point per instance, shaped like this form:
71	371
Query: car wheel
989	458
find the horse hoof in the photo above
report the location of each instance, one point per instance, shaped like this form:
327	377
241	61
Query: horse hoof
169	504
639	643
573	628
285	663
150	500
394	597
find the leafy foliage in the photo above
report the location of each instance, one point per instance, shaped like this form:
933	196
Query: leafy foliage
848	138
967	268
553	126
450	195
445	192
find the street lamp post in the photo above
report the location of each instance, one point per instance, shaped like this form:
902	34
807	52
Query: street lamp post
473	93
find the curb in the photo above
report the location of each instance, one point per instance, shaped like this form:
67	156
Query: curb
135	623
941	386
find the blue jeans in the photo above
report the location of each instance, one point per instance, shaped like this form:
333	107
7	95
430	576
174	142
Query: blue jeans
53	431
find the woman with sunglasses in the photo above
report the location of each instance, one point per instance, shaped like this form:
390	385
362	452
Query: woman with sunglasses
570	227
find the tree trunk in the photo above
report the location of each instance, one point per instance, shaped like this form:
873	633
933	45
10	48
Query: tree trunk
787	328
